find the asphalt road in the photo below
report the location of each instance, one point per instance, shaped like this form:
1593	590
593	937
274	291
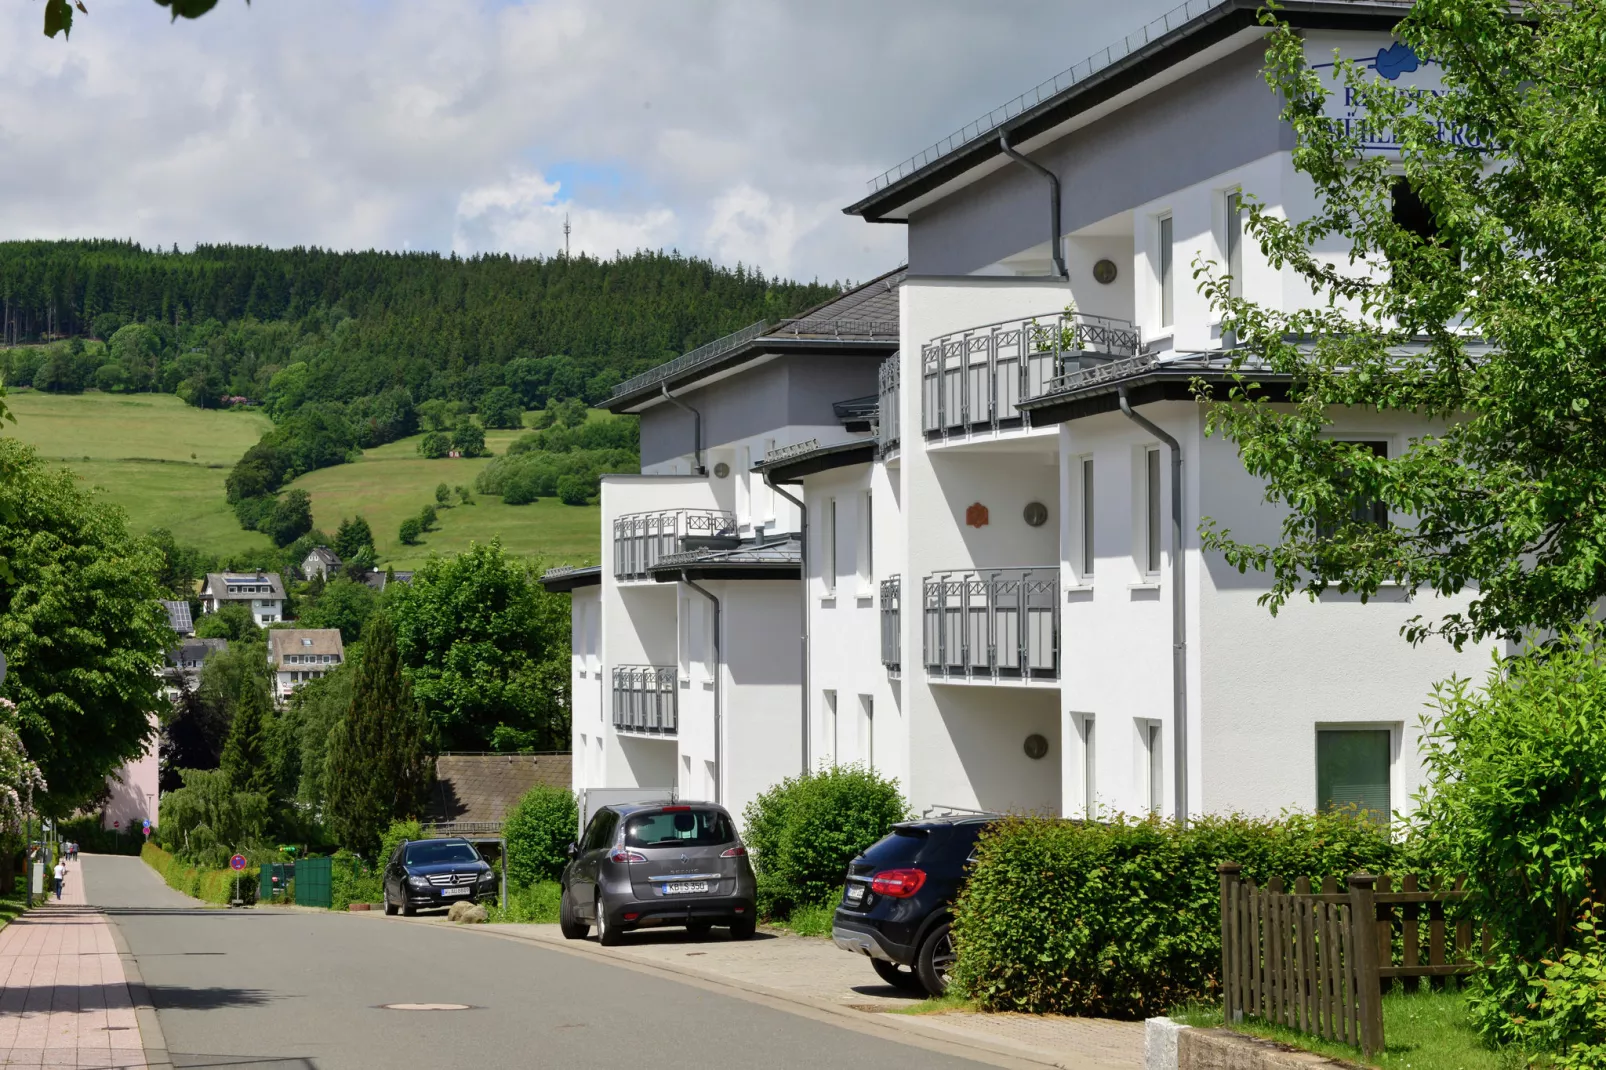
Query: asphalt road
298	991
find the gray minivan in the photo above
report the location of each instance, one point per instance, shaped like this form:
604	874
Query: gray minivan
646	864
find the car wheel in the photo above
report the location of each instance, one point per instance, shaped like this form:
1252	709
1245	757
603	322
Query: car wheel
743	929
607	935
390	908
699	928
897	976
406	907
935	959
571	927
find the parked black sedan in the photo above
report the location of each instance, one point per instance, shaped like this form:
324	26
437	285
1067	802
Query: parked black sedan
421	874
897	904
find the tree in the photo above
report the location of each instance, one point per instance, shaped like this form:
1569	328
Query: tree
352	536
59	13
500	407
84	636
344	603
435	445
232	621
427	518
469	440
378	767
1491	233
410	531
317	708
291	518
573	490
443	495
245	759
487	651
464	496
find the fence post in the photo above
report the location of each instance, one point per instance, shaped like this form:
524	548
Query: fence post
1368	984
1231	1010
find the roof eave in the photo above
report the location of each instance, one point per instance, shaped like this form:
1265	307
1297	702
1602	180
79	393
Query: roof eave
729	570
841	455
770	344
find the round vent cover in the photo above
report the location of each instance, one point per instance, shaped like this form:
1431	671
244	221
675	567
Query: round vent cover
721	470
1036	746
1035	514
1105	271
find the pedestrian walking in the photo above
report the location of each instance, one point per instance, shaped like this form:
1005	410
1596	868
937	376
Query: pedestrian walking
61	876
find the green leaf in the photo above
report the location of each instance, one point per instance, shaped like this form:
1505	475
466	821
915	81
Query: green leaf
58	18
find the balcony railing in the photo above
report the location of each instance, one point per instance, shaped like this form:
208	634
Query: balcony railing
975	380
993	624
891	619
644	698
640	539
891	391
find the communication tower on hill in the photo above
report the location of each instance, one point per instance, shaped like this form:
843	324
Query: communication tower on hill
565	235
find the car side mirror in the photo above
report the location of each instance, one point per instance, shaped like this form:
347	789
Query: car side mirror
574	849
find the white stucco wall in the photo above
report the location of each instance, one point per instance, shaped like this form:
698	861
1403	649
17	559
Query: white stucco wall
590	697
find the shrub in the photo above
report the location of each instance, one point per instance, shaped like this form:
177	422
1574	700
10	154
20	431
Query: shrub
435	445
469	439
410	531
352	880
443	495
1516	800
805	830
572	490
1122	920
392	837
427	518
209	884
539	829
536	904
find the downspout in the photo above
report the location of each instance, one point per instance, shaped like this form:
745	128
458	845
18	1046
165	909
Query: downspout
696	427
719	664
1179	624
1053	207
803	576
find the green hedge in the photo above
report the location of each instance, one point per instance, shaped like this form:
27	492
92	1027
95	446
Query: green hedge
92	839
352	880
805	830
1122	920
539	829
208	885
535	904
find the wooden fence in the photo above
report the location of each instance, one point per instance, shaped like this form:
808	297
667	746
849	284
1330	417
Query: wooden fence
1319	962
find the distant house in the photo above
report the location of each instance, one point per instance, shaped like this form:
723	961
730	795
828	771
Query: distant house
189	655
178	617
301	654
262	592
322	562
377	578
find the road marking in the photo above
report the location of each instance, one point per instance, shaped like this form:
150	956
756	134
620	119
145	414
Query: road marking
424	1007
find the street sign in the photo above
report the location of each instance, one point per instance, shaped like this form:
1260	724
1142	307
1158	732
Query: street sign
117	824
237	863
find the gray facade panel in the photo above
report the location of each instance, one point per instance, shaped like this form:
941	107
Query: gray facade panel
1208	122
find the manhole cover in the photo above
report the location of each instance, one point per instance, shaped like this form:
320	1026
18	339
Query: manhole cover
424	1007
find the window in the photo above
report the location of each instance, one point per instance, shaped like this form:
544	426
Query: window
685	641
422	852
1167	309
744	493
1352	770
1232	245
1152	535
679	827
830	723
1412	213
1362	510
1088	556
306	642
1090	791
828	545
1154	760
867	730
600	834
769	491
866	545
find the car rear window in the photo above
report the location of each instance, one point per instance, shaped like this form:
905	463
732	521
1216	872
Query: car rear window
691	827
426	854
902	845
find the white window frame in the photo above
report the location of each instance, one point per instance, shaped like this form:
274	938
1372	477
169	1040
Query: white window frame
828	547
1086	537
1232	239
864	559
1151	759
1090	765
1396	731
867	714
828	707
1165	270
1153	521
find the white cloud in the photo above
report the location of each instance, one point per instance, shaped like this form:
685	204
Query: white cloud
735	130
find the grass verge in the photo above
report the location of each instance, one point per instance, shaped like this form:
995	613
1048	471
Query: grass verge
13	903
1424	1030
940	1005
808	920
536	904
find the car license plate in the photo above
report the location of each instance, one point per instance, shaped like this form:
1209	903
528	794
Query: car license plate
854	894
454	891
685	887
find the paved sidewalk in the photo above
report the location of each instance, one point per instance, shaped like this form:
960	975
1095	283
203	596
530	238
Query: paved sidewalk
64	999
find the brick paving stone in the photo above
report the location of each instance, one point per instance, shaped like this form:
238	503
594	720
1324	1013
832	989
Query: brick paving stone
63	995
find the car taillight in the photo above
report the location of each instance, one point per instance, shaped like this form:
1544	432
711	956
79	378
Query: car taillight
898	883
629	857
675	809
735	852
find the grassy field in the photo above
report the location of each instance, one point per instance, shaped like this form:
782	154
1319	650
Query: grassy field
392	482
163	461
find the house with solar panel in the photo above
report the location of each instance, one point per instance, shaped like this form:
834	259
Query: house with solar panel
261	592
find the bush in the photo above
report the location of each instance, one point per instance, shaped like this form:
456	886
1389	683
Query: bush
435	445
469	439
427	518
410	531
392	837
1516	800
539	829
536	904
443	495
1122	920
89	836
572	490
352	880
208	884
805	830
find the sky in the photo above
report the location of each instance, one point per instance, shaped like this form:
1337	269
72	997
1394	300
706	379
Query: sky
731	129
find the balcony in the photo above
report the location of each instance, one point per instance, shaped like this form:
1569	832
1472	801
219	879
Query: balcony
993	625
887	416
891	619
644	700
975	380
641	539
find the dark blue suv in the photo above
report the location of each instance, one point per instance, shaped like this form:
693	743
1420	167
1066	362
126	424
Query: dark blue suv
897	905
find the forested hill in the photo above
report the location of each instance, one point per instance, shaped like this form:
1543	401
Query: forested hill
224	319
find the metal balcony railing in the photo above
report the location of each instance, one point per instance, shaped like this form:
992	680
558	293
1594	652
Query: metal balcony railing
891	620
640	539
887	415
975	380
998	624
644	699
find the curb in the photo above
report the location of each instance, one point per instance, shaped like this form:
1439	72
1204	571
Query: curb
150	1029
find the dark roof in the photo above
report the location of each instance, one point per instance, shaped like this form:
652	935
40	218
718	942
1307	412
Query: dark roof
326	555
773	558
217	585
484	787
178	616
1104	75
566	578
376	578
862	321
195	650
794	466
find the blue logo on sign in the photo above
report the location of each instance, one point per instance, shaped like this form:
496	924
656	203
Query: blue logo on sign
1395	60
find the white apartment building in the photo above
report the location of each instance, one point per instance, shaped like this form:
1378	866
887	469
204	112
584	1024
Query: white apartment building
261	592
1007	603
